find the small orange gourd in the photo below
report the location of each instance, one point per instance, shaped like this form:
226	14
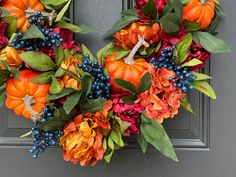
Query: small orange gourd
127	69
19	7
199	11
24	97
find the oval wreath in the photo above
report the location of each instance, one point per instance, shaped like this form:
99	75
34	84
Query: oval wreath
88	104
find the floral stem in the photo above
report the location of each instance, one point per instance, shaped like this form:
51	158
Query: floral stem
28	101
29	12
141	42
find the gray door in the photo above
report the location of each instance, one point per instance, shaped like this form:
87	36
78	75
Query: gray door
205	142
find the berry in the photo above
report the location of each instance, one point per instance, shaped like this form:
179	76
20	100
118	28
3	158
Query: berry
43	139
51	38
101	86
183	76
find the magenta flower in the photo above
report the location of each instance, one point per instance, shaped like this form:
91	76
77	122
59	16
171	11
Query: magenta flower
3	38
128	113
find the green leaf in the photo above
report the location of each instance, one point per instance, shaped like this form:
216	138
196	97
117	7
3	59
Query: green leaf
59	55
52	124
150	9
86	51
38	61
63	11
170	22
12	21
129	99
53	3
143	143
129	16
183	48
125	85
213	26
4	12
122	54
63	93
107	157
184	2
15	72
193	62
3	95
5	74
71	102
111	143
201	76
92	105
186	105
205	88
191	26
33	33
145	83
211	43
154	133
83	29
102	50
55	87
60	72
116	137
43	78
86	85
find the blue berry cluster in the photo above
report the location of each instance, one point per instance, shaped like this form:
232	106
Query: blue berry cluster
37	19
51	38
184	78
101	86
43	139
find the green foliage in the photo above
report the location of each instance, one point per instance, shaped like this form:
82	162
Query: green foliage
3	94
125	85
205	88
186	105
183	48
61	14
4	12
129	16
55	87
191	26
38	61
71	102
63	93
86	51
92	105
201	76
83	29
153	132
150	9
4	76
12	21
211	43
43	78
145	83
192	62
33	33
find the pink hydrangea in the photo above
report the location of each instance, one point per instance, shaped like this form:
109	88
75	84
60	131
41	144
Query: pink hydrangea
68	42
128	113
3	38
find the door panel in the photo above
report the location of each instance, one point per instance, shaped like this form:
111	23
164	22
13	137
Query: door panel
188	131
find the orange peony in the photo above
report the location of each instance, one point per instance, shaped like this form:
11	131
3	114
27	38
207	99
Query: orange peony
128	37
68	81
82	139
11	56
162	101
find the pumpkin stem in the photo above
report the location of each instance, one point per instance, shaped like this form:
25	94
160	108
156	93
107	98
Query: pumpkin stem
28	101
203	1
29	12
141	42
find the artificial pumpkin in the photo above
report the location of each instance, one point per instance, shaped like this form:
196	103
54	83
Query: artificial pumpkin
127	69
199	11
24	97
19	7
11	56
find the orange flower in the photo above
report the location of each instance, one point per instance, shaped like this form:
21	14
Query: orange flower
162	101
68	81
11	56
82	139
128	37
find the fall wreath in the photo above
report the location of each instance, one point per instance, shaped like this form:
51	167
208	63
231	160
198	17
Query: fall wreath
87	104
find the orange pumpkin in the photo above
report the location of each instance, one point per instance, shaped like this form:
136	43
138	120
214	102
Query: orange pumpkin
11	56
19	7
24	97
127	69
199	11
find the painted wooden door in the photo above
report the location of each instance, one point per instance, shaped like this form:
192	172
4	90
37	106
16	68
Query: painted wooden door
205	141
